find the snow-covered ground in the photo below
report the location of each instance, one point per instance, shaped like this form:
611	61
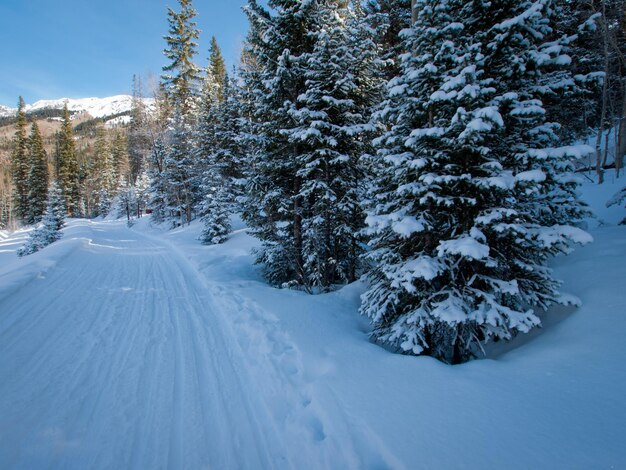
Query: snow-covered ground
140	348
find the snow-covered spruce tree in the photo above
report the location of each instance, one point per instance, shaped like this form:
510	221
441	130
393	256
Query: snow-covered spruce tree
178	178
387	18
157	193
307	124
120	162
20	164
127	201
472	200
217	208
138	132
38	178
52	223
102	174
142	190
331	117
180	173
217	68
229	136
273	85
182	76
67	166
103	202
220	156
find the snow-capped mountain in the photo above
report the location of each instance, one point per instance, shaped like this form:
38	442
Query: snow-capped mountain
95	107
5	111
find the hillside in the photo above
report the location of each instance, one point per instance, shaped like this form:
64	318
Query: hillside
95	107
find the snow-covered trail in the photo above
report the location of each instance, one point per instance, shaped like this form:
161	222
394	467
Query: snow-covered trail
115	359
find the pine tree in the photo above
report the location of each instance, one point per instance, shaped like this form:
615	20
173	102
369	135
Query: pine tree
38	178
217	67
229	138
181	77
312	94
332	117
20	165
52	224
274	209
104	202
216	209
120	162
102	173
127	202
68	170
387	18
157	193
138	132
179	176
142	191
472	199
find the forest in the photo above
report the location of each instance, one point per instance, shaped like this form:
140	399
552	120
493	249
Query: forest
429	147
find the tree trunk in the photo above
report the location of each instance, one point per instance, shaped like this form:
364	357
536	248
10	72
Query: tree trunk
413	12
297	233
605	86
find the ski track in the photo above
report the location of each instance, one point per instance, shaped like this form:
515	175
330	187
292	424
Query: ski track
120	357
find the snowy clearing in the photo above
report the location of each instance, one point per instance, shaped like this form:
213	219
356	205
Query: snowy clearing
140	348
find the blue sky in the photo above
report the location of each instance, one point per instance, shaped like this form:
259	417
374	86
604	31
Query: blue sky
80	48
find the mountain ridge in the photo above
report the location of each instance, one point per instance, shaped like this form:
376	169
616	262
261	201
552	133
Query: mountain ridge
95	107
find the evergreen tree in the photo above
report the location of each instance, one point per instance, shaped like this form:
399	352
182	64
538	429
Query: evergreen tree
217	67
138	132
127	202
472	199
181	77
120	162
104	202
68	170
179	176
229	138
312	94
157	193
20	165
52	223
37	176
142	191
387	18
216	209
274	207
332	120
102	173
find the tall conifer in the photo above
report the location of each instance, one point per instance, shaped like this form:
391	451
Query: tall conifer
217	68
38	178
472	199
20	164
182	75
68	171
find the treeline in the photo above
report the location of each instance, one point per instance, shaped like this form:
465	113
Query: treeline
90	179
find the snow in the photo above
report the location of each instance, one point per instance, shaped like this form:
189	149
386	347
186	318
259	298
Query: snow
95	107
141	348
118	121
467	247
